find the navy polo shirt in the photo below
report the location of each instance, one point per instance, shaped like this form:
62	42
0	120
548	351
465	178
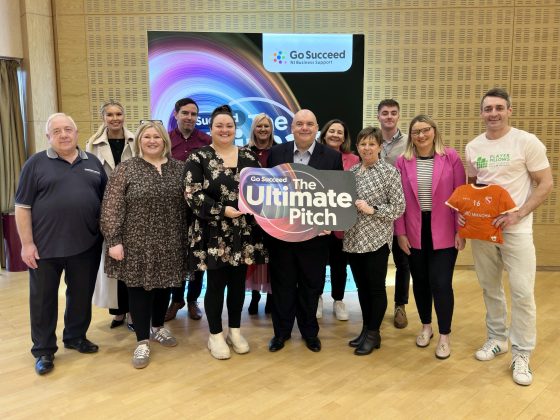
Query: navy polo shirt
65	201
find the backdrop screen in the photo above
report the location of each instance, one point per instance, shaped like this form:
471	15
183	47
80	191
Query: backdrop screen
273	73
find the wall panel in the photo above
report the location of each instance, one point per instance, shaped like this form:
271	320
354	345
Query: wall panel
434	57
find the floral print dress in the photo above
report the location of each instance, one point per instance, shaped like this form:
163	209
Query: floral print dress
216	241
145	211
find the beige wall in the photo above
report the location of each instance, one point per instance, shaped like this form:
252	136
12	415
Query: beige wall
435	57
10	29
40	69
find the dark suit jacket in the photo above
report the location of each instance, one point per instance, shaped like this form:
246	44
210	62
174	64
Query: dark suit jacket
323	157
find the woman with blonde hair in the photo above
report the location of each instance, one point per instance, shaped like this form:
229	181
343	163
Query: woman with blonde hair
112	144
258	276
143	220
427	231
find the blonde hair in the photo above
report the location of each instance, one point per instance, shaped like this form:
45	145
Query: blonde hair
103	111
161	131
438	147
258	118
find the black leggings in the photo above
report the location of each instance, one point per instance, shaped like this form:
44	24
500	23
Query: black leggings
337	261
216	281
432	276
145	306
370	270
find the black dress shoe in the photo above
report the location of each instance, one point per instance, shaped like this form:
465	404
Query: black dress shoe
371	341
355	342
313	343
277	343
83	346
130	326
117	323
44	364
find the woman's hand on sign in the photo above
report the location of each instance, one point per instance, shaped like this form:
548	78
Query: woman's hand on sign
324	233
232	212
117	252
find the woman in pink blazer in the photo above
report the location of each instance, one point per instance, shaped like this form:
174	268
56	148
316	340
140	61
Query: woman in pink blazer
427	231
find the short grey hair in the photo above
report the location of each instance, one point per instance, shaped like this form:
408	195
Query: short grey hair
56	115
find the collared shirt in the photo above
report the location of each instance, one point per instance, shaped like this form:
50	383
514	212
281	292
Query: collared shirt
65	201
182	147
391	149
303	157
380	186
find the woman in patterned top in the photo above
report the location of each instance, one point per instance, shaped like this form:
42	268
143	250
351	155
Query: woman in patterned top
143	221
427	231
380	201
222	240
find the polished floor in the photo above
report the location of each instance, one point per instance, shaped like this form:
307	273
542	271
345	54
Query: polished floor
398	381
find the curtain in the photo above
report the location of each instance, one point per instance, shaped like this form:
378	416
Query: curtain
12	143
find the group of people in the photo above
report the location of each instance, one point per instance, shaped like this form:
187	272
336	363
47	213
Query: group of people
159	208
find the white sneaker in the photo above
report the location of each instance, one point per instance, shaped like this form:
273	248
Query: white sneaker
218	346
340	311
141	355
522	374
319	313
491	349
237	341
164	337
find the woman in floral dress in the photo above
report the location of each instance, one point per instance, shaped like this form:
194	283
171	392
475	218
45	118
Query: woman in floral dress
143	220
222	240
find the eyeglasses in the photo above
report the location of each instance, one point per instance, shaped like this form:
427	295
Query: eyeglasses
151	121
425	130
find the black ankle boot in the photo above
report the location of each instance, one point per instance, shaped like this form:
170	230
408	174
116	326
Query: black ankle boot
254	305
355	342
268	305
371	341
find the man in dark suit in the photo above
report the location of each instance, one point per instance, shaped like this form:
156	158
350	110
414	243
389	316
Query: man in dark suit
298	268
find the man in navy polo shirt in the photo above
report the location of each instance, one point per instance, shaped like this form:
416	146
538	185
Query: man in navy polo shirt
58	202
185	139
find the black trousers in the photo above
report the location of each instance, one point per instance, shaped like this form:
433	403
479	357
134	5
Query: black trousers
402	274
432	276
216	281
338	260
80	272
147	307
122	300
370	270
194	289
297	279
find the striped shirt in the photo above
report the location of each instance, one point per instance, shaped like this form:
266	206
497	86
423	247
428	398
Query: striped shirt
424	170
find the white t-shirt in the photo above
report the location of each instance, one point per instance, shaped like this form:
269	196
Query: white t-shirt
507	162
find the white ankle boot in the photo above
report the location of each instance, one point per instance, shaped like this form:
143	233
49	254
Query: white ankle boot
218	346
235	339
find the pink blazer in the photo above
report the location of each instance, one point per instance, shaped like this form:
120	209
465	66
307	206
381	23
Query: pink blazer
449	173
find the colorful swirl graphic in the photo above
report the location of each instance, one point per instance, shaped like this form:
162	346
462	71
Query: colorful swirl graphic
216	69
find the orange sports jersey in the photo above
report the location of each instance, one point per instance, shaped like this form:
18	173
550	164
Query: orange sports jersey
480	205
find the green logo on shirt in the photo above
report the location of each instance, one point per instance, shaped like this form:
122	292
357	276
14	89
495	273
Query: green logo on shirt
481	162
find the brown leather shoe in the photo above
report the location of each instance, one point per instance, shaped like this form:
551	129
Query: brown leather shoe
400	320
194	311
172	310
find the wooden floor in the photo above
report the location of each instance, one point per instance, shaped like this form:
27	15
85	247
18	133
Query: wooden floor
398	381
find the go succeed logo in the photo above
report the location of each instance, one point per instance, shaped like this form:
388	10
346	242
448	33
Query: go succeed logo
307	53
295	202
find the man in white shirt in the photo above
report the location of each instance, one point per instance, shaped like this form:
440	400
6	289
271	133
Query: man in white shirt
516	160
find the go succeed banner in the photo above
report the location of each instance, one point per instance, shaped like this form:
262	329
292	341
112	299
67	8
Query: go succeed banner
295	202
